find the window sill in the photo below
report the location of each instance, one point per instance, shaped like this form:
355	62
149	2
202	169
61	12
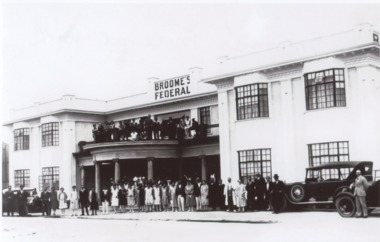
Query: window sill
324	109
252	119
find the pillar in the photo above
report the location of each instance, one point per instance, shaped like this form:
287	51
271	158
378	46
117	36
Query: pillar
82	176
150	167
180	167
203	167
117	170
97	180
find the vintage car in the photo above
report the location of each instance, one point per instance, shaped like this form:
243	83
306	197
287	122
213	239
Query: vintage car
329	184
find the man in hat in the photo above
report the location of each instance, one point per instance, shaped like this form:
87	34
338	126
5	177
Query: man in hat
9	200
22	197
278	191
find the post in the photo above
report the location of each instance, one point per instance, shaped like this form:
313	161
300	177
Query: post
203	167
117	170
150	167
82	176
180	167
97	180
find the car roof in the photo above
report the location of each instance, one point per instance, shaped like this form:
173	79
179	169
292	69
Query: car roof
344	164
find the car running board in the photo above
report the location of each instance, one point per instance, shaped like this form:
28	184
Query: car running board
313	203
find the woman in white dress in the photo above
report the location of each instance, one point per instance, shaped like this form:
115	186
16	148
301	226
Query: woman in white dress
62	198
204	196
157	197
74	201
114	198
241	196
149	198
131	198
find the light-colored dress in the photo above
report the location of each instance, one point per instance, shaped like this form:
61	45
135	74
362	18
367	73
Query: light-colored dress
173	197
62	200
165	196
74	200
148	196
157	197
131	196
241	196
204	195
114	199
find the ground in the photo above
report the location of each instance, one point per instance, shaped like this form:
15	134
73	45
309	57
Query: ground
259	226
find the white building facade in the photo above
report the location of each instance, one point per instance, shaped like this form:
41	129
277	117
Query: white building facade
275	111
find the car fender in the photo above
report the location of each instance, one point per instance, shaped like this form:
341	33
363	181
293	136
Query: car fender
348	193
341	189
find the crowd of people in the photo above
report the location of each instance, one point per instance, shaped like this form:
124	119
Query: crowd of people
148	128
139	195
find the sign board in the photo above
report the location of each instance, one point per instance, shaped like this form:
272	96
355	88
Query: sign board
171	88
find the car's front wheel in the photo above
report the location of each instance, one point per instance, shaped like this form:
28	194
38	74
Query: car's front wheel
345	205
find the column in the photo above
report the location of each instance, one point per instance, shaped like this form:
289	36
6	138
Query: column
203	167
117	170
150	167
82	176
97	179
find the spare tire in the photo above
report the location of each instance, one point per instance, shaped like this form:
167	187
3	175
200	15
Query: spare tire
297	192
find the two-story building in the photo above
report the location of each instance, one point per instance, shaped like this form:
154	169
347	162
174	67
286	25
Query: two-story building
274	111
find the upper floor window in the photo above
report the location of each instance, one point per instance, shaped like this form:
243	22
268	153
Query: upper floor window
22	177
21	139
252	101
50	134
323	153
325	89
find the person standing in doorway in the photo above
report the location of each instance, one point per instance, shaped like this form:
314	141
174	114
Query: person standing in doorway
361	186
74	205
277	194
94	205
83	200
114	197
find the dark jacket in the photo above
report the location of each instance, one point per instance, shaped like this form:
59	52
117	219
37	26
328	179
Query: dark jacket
45	197
251	190
278	189
260	185
83	196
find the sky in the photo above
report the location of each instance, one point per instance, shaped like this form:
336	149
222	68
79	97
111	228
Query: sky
108	50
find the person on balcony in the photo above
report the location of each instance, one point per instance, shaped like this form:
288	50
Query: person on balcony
188	124
156	128
195	127
149	127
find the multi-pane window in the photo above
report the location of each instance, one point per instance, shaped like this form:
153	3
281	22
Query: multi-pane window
21	139
205	117
22	177
325	89
49	178
50	134
323	153
252	101
256	161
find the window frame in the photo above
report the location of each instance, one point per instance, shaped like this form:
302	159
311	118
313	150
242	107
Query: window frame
21	141
247	95
51	174
24	175
328	155
337	73
50	134
253	161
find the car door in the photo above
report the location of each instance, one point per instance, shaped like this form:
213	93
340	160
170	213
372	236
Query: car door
330	182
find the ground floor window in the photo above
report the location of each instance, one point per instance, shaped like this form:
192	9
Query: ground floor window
22	177
255	161
323	153
49	178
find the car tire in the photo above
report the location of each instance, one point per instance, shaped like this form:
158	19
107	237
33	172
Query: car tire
297	193
345	205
